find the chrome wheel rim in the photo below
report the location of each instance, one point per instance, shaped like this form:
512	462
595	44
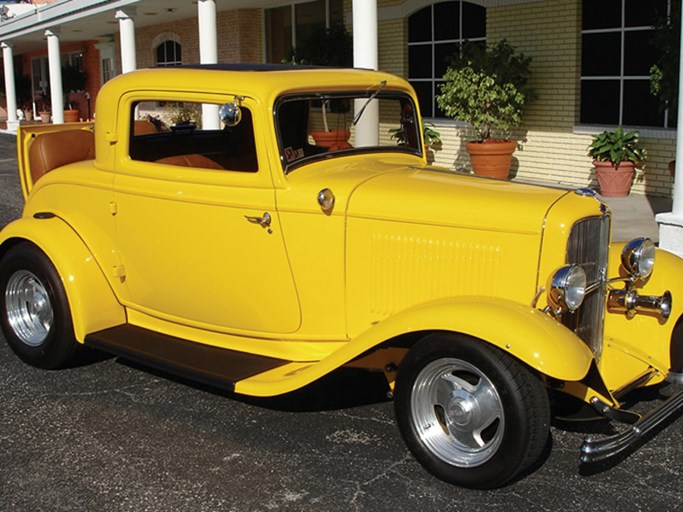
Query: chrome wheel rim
29	310
457	412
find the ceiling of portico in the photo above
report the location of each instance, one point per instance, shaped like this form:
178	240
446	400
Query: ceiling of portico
97	20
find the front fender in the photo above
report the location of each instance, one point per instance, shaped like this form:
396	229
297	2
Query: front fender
92	302
645	337
526	333
522	331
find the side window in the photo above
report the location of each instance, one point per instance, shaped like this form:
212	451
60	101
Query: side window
172	133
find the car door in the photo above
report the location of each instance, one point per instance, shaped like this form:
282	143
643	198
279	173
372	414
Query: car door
197	228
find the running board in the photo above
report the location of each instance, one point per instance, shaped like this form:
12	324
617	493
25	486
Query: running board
207	364
596	449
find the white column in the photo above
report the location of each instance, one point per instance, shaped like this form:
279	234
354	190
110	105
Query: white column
55	67
365	56
127	33
10	87
671	224
208	54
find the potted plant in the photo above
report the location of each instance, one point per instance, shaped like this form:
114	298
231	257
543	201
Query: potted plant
184	117
615	156
44	112
331	46
73	79
432	138
486	87
43	107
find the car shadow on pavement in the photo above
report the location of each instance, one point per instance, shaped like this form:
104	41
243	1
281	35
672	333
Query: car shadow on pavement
343	388
86	356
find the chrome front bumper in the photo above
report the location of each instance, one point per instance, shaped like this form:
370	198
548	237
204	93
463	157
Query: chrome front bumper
596	449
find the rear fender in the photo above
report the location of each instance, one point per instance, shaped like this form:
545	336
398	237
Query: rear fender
92	302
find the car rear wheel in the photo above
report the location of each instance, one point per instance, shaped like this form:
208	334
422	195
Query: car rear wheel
34	312
470	414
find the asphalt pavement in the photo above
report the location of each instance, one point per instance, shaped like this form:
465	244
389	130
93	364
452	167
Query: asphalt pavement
107	435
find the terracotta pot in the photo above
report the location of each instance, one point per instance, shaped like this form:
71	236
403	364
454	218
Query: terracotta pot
333	140
71	116
492	158
614	181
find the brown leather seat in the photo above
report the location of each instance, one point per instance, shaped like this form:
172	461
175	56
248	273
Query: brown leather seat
192	160
55	149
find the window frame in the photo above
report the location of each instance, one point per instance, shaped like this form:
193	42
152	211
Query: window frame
432	43
130	166
312	96
177	54
622	78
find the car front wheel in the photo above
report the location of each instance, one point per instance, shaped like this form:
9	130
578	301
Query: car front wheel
470	414
34	312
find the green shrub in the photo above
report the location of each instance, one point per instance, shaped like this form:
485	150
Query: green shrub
617	146
487	87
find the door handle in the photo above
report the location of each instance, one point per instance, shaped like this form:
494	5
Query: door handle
263	221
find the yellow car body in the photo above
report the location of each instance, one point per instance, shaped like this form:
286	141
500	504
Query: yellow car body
253	267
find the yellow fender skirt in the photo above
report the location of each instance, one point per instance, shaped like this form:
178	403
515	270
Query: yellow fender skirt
92	302
526	333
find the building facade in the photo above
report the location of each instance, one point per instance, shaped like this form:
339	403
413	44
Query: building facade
567	40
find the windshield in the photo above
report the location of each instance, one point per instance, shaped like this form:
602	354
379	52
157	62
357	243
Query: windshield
314	126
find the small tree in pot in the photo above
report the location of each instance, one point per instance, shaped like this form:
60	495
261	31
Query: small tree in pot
486	87
615	156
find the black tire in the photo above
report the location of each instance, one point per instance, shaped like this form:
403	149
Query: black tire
34	311
470	414
676	349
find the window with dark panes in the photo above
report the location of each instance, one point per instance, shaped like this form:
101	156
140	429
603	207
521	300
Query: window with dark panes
278	33
289	25
435	33
616	57
168	54
308	17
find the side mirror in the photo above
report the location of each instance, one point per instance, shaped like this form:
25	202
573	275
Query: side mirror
230	113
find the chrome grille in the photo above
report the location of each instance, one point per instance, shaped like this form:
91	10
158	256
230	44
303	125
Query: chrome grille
588	246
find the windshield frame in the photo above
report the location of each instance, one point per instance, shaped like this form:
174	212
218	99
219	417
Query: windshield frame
351	94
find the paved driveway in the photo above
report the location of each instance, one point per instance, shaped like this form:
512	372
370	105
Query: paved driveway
105	435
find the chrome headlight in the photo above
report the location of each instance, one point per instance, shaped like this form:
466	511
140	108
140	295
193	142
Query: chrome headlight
567	288
638	257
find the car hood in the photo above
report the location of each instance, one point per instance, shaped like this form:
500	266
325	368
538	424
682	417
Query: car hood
437	196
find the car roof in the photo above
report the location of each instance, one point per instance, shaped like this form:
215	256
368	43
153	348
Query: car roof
263	81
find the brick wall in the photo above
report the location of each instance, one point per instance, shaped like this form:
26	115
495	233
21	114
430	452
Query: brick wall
239	38
550	149
393	53
550	32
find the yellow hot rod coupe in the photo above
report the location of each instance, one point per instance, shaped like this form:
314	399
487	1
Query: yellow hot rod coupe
199	226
